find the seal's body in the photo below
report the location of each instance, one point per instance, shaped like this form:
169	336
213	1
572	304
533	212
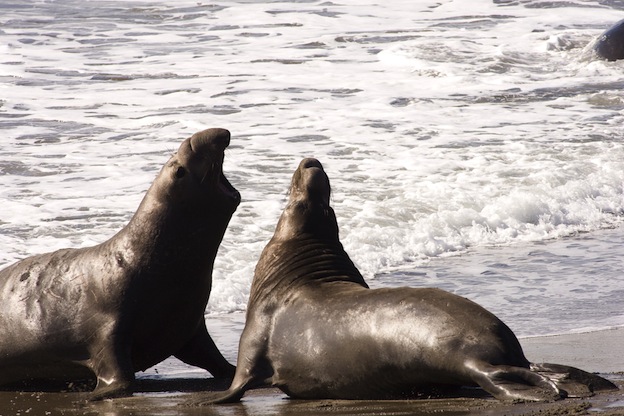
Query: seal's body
610	44
132	301
315	330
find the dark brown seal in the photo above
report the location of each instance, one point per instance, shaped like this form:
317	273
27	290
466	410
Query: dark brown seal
610	44
315	330
132	301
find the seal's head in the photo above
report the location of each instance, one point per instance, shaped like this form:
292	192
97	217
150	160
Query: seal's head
308	212
305	249
310	183
195	173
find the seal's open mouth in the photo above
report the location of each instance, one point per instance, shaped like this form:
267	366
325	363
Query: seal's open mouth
227	189
207	149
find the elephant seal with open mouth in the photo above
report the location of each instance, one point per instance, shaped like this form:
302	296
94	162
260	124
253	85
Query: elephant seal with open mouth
129	303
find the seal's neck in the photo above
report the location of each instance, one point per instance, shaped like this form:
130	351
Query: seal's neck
171	236
304	217
304	261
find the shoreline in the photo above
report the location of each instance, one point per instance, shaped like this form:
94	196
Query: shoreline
592	351
595	351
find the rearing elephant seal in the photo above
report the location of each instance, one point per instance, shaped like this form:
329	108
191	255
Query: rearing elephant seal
132	301
315	330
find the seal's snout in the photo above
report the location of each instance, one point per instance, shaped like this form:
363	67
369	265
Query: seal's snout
311	181
310	162
210	139
203	155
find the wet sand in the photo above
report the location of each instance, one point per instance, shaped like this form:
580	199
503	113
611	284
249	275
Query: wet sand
596	351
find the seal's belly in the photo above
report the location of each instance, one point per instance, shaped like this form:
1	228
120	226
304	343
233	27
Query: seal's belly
359	368
365	352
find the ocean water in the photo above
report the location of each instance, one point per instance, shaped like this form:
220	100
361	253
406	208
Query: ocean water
473	146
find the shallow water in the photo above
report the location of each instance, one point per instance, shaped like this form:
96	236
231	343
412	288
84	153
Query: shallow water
474	148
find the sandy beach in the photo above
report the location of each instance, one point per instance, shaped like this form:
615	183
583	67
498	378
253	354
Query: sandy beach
598	352
593	351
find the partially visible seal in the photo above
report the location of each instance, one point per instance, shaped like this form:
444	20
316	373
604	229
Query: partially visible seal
315	330
609	45
132	301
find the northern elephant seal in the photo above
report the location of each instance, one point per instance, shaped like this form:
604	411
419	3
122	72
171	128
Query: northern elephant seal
609	45
315	330
132	301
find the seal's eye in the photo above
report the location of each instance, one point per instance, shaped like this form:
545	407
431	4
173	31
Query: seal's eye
180	172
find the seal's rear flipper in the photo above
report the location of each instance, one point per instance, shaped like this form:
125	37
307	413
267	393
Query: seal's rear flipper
576	382
514	383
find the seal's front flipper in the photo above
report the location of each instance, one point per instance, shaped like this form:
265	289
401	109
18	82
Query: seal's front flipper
111	363
576	382
106	390
513	383
229	396
253	370
202	352
113	380
222	397
232	395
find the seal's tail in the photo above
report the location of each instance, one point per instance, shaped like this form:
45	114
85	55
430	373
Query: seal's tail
575	382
